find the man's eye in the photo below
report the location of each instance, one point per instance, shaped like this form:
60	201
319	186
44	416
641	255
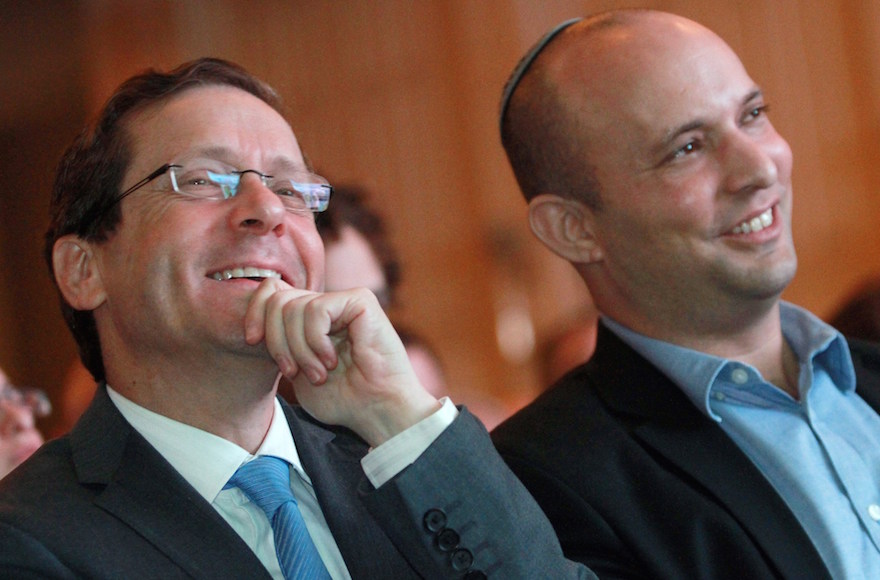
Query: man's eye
757	112
197	178
687	149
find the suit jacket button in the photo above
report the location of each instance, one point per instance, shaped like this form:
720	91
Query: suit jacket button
435	520
447	540
462	559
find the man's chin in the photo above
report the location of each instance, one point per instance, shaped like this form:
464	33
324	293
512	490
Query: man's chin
770	285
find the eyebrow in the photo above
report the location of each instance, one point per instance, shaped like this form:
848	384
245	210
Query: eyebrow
227	155
673	133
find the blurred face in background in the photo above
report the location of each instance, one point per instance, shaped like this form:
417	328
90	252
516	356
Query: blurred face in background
350	262
428	369
19	437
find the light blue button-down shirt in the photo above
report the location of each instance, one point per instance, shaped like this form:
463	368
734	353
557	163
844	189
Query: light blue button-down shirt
821	453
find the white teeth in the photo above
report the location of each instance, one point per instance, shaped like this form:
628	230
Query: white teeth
756	224
247	272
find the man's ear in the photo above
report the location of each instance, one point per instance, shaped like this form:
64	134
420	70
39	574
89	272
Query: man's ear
77	273
566	227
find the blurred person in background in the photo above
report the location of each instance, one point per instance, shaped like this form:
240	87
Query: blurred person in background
425	361
19	437
359	254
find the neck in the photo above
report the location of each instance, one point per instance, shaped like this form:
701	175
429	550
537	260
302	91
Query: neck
790	375
761	345
754	338
776	362
239	410
781	369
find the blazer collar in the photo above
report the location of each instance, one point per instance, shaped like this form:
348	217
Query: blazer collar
141	489
663	418
866	362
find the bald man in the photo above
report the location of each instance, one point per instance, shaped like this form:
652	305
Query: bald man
717	432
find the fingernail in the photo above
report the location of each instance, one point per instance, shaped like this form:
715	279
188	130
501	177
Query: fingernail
285	366
314	376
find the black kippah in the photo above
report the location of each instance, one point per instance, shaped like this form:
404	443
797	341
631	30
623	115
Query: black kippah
526	61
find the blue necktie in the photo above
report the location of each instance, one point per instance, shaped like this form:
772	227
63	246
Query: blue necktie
266	481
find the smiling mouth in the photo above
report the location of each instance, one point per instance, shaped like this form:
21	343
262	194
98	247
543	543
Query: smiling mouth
247	272
756	224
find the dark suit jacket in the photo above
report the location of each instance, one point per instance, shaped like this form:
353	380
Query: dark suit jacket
103	503
639	484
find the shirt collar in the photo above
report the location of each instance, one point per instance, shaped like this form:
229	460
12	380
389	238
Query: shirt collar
693	371
205	460
813	342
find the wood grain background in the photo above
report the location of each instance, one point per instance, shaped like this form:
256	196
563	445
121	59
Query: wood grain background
401	96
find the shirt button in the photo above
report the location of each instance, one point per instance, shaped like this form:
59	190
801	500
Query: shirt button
739	376
874	512
718	396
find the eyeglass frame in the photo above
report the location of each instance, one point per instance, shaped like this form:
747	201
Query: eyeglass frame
99	210
35	399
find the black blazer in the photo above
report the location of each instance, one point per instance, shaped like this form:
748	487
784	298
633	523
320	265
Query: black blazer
639	484
103	503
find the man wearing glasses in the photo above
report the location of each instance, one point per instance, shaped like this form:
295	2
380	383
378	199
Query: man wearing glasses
19	437
184	247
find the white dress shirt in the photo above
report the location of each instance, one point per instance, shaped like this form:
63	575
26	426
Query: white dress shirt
207	462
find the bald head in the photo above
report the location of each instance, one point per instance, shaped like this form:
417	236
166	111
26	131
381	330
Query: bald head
649	161
553	109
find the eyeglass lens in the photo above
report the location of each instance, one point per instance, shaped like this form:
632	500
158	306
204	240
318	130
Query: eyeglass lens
26	397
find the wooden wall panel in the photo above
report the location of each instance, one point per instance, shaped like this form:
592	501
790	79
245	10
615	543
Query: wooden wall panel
402	97
41	108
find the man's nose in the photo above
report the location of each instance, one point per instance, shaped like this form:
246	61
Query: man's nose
256	208
750	163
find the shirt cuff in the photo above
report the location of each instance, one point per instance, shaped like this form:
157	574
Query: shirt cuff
393	456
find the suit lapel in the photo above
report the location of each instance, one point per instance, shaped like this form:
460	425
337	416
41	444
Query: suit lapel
662	417
142	490
331	457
